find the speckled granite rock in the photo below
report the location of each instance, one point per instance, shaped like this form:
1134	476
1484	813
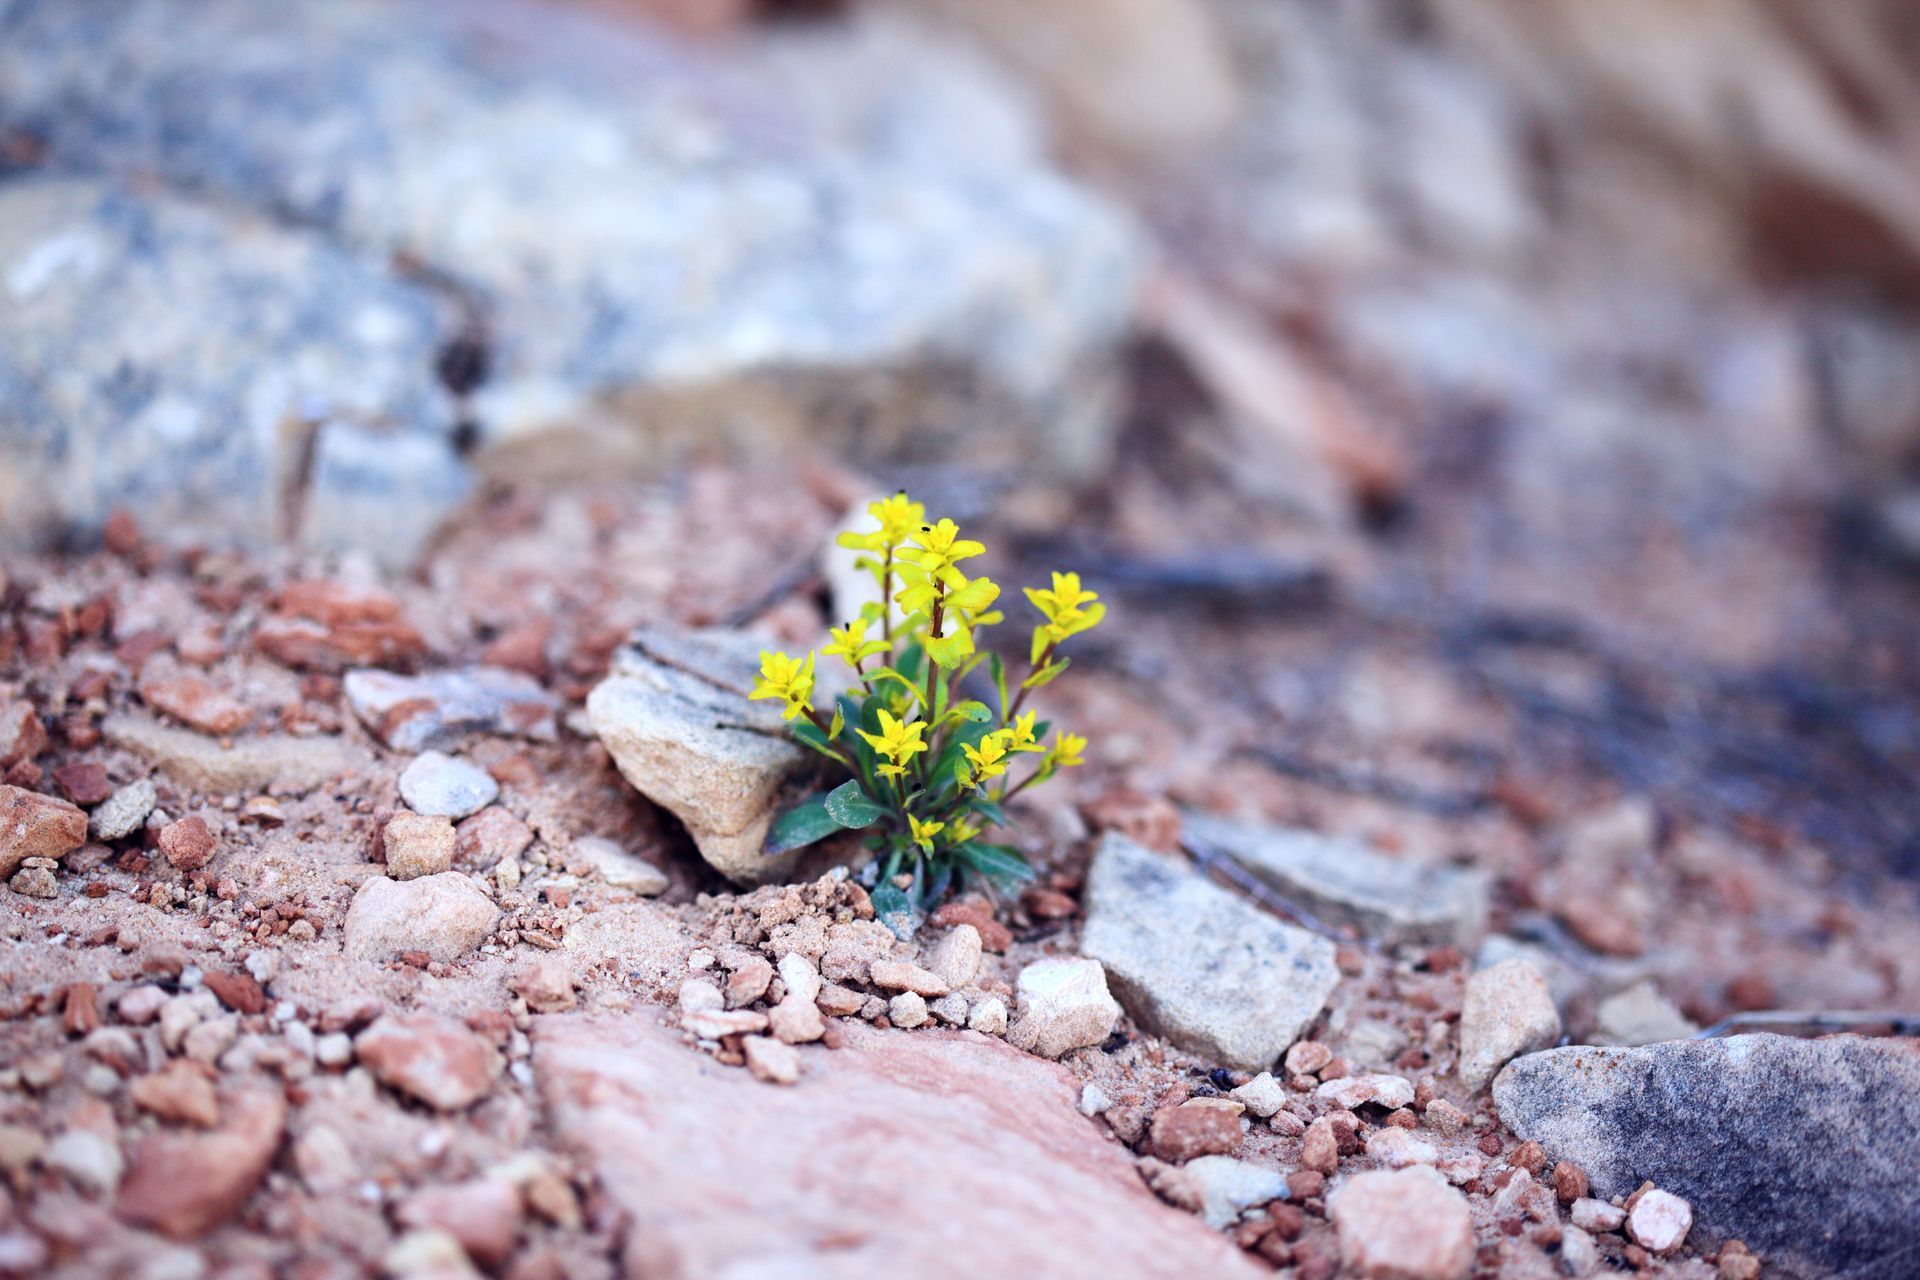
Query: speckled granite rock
190	362
825	212
1241	985
1804	1149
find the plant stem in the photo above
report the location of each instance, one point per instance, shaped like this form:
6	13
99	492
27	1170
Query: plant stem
1046	656
886	602
825	727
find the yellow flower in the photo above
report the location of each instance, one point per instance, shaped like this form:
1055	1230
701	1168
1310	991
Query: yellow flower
963	830
897	742
938	547
1064	600
1067	611
850	642
896	517
1065	753
924	832
989	759
1020	734
789	679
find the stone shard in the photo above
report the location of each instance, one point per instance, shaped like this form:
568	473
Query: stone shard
1241	986
184	1185
1064	1005
413	713
675	717
1407	1224
36	826
443	915
1801	1148
1345	881
910	1149
1508	1010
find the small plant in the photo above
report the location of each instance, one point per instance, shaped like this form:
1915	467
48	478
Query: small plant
931	769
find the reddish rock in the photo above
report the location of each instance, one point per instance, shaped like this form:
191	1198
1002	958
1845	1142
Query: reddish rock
545	982
911	1149
431	1058
1320	1149
36	826
484	1215
488	836
194	701
1569	1182
185	1185
187	843
238	991
80	1009
1148	820
83	782
1404	1225
1048	904
22	736
306	645
336	604
977	912
1182	1133
181	1092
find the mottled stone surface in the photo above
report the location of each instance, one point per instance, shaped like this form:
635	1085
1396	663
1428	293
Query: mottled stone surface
1241	985
922	1154
750	239
183	359
1345	881
1804	1149
674	715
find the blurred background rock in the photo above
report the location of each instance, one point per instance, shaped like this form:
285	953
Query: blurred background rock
1559	305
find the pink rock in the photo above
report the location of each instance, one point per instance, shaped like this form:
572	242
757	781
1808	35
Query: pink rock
484	1215
1404	1225
191	699
429	1057
184	1186
911	1152
36	826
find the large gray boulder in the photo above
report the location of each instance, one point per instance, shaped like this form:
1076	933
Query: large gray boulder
1807	1150
216	372
1198	964
810	232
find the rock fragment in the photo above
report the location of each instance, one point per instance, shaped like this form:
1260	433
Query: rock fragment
125	811
443	915
545	982
418	844
187	843
955	959
1363	1090
194	701
36	826
1218	1188
1063	1005
413	713
1241	986
1407	1224
774	1061
1508	1011
430	1058
899	975
674	715
439	784
494	833
1345	881
621	869
1659	1221
185	1185
180	1092
1182	1133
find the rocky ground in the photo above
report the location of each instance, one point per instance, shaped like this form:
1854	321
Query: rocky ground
418	411
337	943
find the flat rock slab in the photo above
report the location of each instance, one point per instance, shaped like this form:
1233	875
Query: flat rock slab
927	1154
1808	1150
1238	986
1344	881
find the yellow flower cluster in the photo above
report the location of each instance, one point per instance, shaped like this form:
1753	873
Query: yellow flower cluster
925	757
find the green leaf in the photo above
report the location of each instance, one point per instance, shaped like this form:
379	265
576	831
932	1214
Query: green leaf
971	712
1000	863
941	774
998	667
888	673
894	908
839	722
950	650
801	825
850	806
990	811
810	735
1046	674
912	665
